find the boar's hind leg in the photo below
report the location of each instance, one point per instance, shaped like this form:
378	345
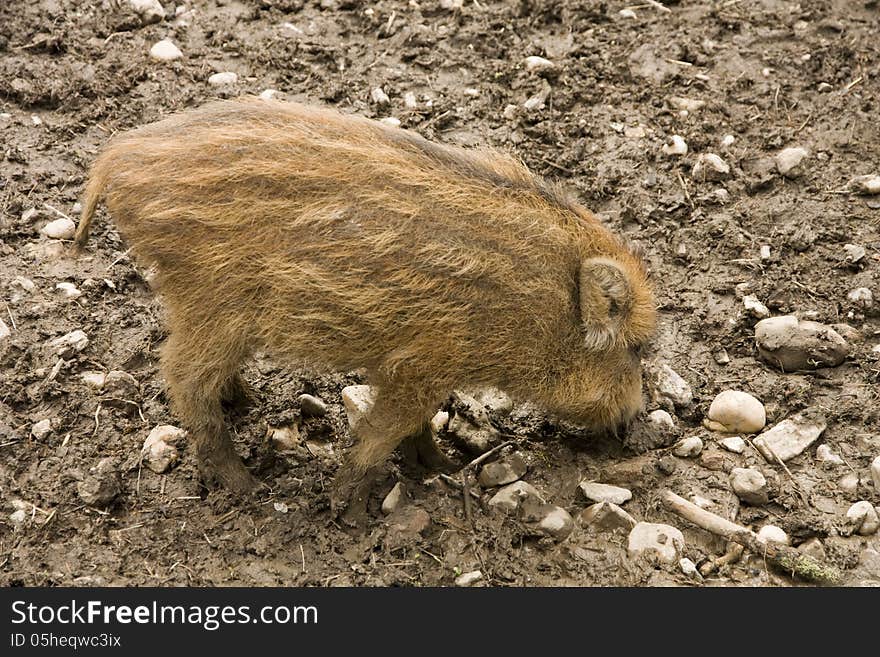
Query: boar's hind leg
198	373
421	447
393	418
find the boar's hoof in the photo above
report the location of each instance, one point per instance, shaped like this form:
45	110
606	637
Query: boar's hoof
421	448
349	494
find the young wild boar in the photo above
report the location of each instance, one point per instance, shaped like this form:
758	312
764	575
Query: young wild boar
336	242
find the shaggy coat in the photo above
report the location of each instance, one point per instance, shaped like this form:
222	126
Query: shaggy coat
338	243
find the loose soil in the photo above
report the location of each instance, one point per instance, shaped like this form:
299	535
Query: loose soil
772	74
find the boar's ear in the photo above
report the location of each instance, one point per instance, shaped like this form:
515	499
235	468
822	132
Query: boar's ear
606	300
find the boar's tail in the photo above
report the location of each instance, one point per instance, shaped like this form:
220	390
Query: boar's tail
95	187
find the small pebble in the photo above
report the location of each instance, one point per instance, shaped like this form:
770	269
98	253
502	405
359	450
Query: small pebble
410	101
535	64
159	451
312	406
866	184
772	534
165	51
41	429
596	492
824	87
749	485
390	121
502	471
789	160
557	522
689	568
825	455
686	104
875	473
466	579
439	421
764	253
60	229
509	498
710	166
665	384
667	464
5	332
379	96
69	344
101	486
626	13
791	344
269	94
814	548
605	516
689	447
661	419
663	541
393	499
855	253
755	307
150	11
728	141
734	411
677	146
223	79
863	518
733	444
849	483
791	436
69	290
280	507
721	357
861	297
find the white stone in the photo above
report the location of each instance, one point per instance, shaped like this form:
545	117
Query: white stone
710	166
734	411
677	146
534	103
390	121
733	444
648	538
150	11
379	96
537	64
5	331
358	401
439	421
93	379
626	13
393	499
863	518
689	568
749	485
466	579
270	94
60	229
451	4
25	284
791	344
866	184
557	522
19	517
825	455
69	290
790	437
862	297
165	51
223	79
788	161
689	447
727	141
509	498
606	516
596	492
764	254
755	307
666	384
409	101
41	429
686	104
773	534
280	507
69	343
854	253
661	419
159	451
875	474
849	483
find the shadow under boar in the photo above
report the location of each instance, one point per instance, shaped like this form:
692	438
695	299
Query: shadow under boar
337	243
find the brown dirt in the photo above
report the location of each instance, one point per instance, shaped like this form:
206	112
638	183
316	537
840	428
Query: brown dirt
71	74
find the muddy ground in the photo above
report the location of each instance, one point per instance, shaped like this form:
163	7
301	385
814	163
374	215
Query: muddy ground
772	74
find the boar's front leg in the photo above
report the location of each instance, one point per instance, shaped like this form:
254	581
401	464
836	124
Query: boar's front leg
395	416
199	367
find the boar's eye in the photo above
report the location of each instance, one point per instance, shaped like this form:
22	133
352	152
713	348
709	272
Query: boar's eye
638	350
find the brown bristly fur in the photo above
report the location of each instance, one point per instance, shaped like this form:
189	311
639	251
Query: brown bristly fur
339	243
